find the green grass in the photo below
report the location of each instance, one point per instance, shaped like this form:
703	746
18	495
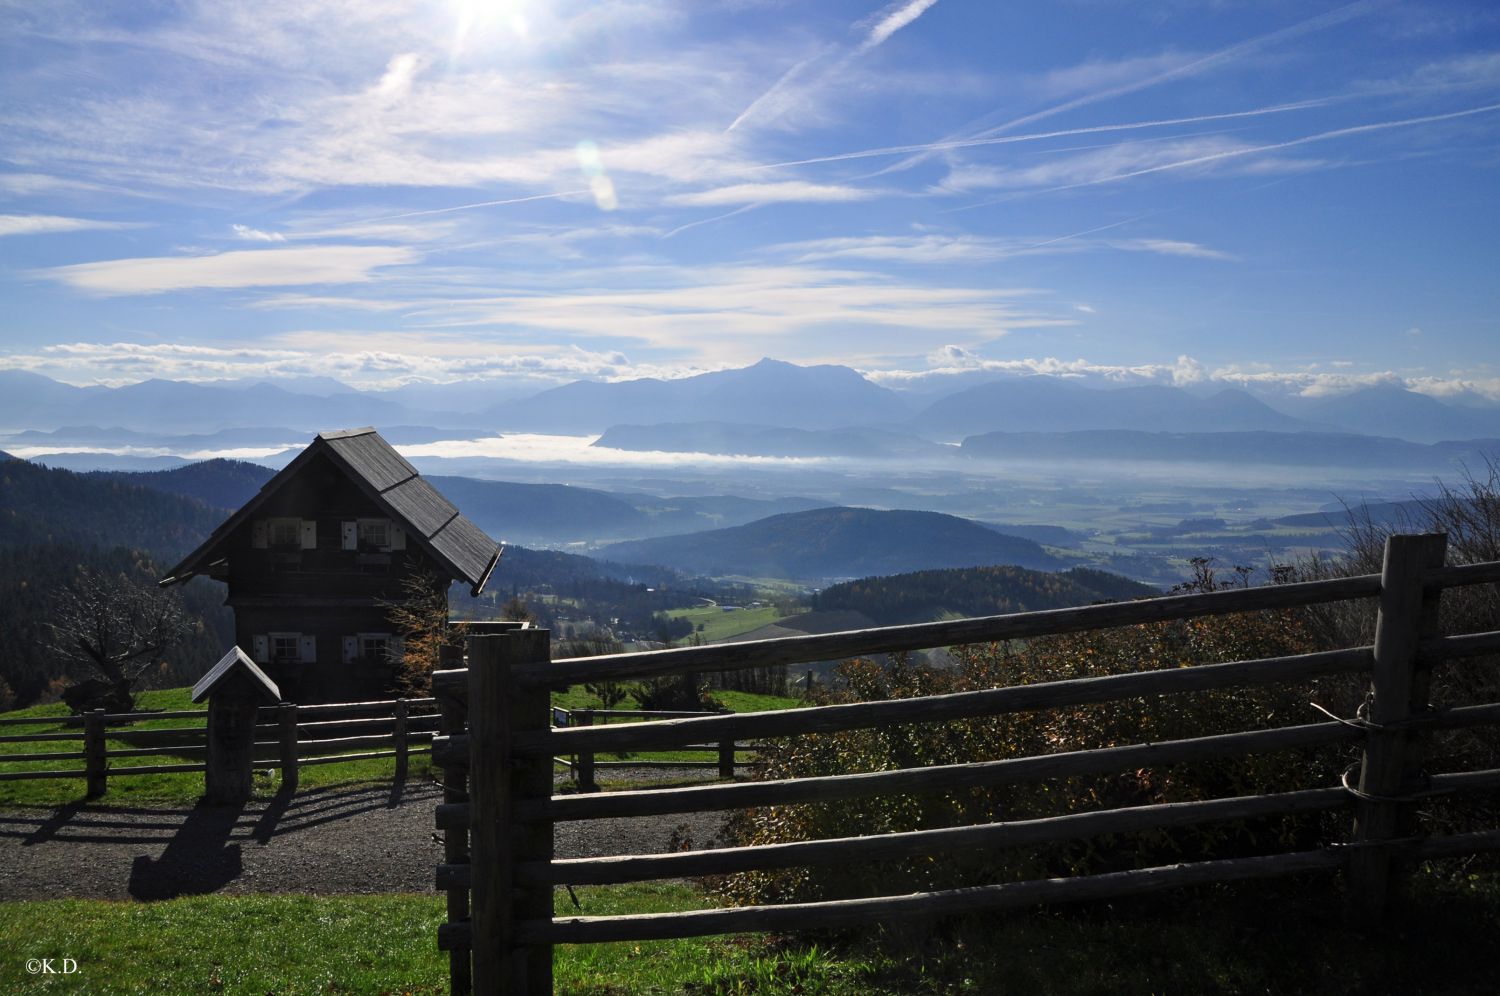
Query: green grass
171	788
184	788
719	625
578	697
1283	937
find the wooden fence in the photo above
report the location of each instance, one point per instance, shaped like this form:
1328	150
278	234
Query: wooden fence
500	870
288	736
584	764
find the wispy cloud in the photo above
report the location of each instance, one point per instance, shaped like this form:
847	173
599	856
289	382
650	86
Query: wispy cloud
893	19
45	224
242	268
948	145
795	88
788	191
1183	70
936	249
1221	155
248	234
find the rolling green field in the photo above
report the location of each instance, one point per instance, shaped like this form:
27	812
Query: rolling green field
720	625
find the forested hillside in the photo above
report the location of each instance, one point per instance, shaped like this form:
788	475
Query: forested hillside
975	591
42	505
55	524
217	483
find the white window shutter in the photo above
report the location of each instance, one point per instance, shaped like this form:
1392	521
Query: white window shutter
398	648
259	534
309	534
351	535
398	537
351	648
260	648
307	646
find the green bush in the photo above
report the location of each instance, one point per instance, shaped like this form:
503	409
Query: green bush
1186	643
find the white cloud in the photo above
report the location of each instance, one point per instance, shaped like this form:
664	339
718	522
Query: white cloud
241	268
249	234
788	191
892	19
44	224
946	249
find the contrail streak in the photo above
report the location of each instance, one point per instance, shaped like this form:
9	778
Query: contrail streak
481	204
965	143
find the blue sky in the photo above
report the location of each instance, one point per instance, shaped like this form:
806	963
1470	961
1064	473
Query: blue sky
1301	197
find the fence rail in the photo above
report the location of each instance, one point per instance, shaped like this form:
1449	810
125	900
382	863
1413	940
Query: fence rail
498	743
581	760
283	740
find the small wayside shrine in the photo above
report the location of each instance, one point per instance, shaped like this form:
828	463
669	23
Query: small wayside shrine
314	561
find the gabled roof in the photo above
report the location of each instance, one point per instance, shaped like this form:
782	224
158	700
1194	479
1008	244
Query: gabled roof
389	480
236	662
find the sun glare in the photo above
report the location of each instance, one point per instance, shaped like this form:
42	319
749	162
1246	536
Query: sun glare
476	20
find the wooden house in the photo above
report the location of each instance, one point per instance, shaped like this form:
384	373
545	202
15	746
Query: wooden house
315	559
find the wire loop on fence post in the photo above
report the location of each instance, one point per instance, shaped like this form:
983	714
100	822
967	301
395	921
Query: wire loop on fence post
531	781
455	786
1408	615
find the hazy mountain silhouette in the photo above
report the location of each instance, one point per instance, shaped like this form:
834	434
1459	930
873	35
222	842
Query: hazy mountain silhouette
837	542
1389	410
1050	404
768	393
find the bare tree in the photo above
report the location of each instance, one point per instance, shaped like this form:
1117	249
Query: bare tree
117	630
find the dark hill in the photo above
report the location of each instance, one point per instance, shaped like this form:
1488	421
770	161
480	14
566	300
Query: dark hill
552	513
217	483
975	591
837	542
44	505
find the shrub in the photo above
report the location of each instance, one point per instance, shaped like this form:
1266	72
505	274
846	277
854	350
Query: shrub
1185	643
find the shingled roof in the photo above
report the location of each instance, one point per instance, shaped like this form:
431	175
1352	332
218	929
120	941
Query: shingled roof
392	483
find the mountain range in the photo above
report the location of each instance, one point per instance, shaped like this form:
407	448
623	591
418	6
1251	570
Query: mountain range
770	408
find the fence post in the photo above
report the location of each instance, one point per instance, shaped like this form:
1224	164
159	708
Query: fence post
490	812
1398	685
286	719
531	712
398	730
585	769
726	758
93	749
455	842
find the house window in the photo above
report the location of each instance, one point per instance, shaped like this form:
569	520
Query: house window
375	534
286	648
383	648
285	533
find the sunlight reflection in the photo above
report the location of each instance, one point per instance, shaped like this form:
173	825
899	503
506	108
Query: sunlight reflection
602	187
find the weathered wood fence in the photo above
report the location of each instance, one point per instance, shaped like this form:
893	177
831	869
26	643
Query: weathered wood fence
500	870
584	764
288	736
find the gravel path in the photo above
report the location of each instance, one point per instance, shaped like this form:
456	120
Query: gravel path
338	840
